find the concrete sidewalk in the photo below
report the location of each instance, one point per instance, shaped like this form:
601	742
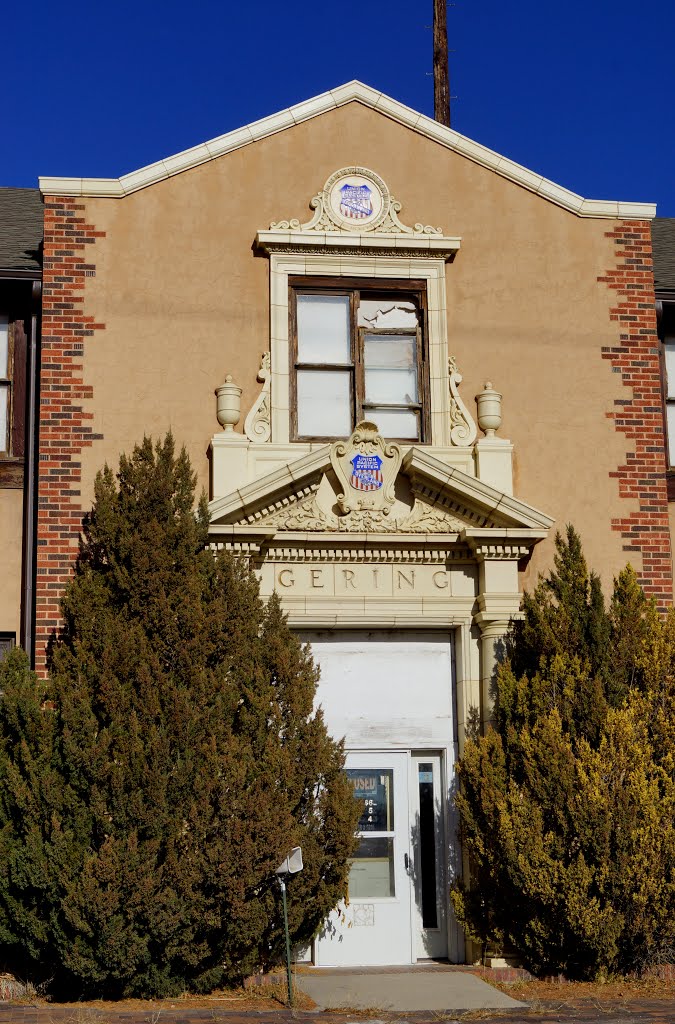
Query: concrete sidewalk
435	987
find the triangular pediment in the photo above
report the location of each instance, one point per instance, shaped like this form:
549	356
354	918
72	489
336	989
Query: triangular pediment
352	92
428	497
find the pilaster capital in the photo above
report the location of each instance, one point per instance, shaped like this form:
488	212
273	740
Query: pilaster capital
491	628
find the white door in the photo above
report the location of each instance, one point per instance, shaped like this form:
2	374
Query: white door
374	925
428	861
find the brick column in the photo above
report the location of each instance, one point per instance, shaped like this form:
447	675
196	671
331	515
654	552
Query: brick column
640	416
64	429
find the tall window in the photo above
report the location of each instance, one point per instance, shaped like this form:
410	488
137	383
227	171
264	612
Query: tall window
669	349
358	353
5	385
7	642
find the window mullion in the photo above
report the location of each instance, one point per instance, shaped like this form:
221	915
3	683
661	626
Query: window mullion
423	390
357	375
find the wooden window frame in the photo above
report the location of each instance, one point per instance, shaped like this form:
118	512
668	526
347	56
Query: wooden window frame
354	288
14	386
7	643
6	386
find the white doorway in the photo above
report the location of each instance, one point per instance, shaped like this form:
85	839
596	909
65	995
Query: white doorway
390	693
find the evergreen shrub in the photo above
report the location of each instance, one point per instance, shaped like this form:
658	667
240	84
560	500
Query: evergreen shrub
151	786
567	804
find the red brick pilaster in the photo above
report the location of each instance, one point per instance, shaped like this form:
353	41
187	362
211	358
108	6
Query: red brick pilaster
639	416
64	429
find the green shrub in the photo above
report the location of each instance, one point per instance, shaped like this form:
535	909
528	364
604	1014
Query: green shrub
567	804
151	786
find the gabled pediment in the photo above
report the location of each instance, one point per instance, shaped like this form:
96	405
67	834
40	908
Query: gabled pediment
416	494
352	92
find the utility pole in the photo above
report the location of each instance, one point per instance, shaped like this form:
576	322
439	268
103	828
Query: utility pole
441	68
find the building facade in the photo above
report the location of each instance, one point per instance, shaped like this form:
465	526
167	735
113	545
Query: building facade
398	362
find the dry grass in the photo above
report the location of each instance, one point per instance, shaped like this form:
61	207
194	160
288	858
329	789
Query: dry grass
266	996
616	992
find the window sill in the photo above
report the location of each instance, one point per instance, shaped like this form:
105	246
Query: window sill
11	473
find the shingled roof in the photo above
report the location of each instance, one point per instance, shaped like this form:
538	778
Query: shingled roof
21	229
663	246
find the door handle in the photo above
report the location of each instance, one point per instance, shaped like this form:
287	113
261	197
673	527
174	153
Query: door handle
406	861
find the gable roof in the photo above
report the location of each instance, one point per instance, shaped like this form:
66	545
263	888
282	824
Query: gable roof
21	230
117	188
663	248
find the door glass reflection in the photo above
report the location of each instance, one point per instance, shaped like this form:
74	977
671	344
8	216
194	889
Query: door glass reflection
427	845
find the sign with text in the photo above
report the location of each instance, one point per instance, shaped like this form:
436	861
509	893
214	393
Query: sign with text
375	788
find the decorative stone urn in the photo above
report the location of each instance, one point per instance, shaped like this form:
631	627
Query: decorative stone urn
228	407
489	404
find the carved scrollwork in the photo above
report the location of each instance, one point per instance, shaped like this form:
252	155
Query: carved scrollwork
305	515
427	519
367	521
286	225
427	229
463	430
308	515
382	218
258	424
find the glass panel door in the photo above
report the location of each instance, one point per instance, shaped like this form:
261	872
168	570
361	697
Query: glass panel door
428	833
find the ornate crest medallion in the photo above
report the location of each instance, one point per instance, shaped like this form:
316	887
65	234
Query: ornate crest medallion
356	201
356	194
366	473
366	468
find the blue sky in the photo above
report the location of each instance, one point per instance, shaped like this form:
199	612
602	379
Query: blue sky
579	92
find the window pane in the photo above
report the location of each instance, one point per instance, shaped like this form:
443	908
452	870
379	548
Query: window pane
4	417
393	351
670	411
323	329
4	346
371	870
324	406
391	369
387	313
376	788
670	367
392	387
395	422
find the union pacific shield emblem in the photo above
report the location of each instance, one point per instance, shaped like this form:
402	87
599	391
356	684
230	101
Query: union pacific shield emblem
366	473
356	201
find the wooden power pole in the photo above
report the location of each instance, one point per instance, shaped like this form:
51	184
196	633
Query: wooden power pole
441	68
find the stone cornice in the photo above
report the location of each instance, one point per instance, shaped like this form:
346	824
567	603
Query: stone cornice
117	188
375	244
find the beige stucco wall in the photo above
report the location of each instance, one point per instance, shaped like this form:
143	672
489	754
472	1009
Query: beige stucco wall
185	301
11	513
